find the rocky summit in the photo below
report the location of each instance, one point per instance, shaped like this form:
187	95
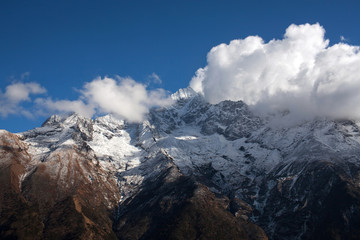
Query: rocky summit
192	170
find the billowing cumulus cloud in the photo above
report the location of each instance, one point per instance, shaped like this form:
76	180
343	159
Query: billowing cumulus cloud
123	97
15	94
301	73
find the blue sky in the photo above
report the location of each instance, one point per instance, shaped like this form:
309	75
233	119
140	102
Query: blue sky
61	45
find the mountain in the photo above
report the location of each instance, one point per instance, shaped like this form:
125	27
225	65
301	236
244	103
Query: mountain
192	170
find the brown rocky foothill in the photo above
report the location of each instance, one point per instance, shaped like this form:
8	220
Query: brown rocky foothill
52	199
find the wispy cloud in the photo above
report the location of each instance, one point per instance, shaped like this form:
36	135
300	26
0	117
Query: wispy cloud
46	106
155	78
15	94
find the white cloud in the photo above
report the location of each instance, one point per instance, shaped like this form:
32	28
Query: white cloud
18	92
77	106
122	97
300	73
196	81
15	94
155	78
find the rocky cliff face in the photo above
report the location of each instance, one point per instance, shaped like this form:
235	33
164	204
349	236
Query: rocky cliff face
190	171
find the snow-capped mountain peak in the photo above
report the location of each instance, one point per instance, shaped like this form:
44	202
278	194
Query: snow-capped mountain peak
184	93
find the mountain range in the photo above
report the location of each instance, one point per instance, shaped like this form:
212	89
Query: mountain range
192	170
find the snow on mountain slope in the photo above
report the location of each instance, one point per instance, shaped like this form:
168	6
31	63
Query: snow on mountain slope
227	138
